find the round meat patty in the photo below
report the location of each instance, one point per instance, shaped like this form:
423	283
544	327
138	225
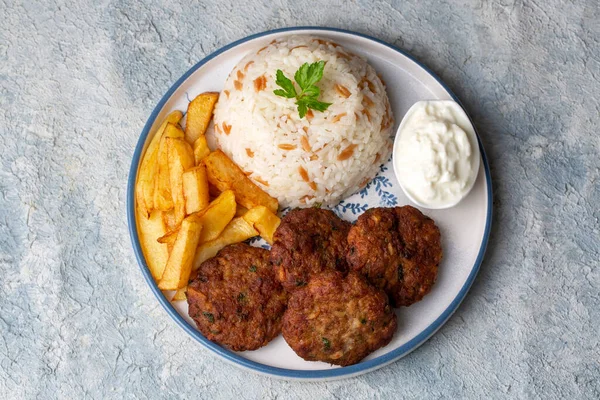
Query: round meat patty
338	320
308	241
397	249
236	300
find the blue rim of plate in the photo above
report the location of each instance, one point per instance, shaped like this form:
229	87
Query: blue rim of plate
230	356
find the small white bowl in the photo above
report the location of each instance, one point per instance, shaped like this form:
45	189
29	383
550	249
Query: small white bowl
467	126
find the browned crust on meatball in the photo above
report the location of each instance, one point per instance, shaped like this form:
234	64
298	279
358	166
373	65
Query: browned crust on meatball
236	300
397	249
338	320
307	242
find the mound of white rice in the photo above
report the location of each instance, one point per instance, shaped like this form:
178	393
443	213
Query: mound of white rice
321	158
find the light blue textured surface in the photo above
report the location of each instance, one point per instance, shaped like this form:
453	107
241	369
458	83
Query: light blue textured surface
77	82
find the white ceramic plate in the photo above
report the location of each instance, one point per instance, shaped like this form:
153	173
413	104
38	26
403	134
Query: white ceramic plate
464	228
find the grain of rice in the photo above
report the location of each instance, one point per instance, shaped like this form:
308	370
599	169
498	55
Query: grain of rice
342	91
305	144
346	153
338	117
303	174
260	83
226	128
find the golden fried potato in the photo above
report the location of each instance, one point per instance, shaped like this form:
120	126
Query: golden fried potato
163	199
225	174
201	149
217	215
150	229
179	266
180	294
199	114
169	237
195	189
169	218
264	221
144	188
237	231
181	158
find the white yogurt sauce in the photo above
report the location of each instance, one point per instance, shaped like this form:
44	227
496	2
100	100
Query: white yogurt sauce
436	154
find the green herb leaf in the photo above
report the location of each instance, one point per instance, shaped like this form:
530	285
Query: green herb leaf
306	77
301	76
326	343
309	74
283	93
302	109
209	316
252	268
315	104
289	90
312	91
242	298
315	72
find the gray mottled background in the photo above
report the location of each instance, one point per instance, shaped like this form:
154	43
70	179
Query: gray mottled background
78	80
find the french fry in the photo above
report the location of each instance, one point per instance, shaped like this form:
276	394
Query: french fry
179	264
180	158
225	174
169	218
264	221
169	237
201	149
199	114
180	294
217	215
195	189
144	188
163	199
155	253
237	231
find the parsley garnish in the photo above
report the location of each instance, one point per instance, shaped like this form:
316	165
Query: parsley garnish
326	343
306	77
241	298
209	317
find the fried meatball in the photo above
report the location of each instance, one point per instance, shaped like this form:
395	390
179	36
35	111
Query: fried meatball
338	320
236	300
397	249
306	242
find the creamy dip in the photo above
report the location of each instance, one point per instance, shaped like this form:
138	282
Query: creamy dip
436	155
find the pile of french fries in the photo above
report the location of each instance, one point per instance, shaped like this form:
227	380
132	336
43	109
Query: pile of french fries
191	201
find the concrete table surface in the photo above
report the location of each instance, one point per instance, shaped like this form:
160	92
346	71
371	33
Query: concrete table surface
78	80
